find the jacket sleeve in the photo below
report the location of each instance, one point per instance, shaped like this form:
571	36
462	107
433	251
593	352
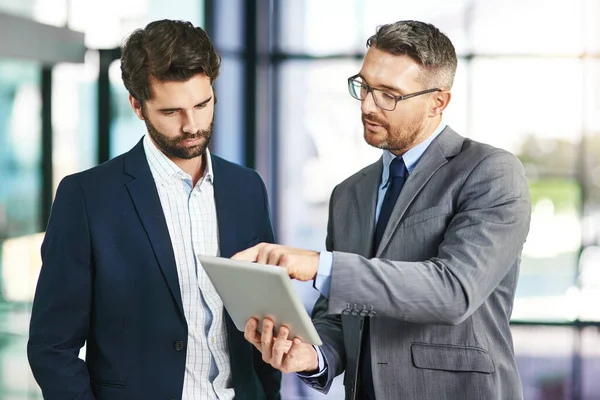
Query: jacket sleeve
61	308
481	244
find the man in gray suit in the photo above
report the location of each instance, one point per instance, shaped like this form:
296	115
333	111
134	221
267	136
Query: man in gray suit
423	247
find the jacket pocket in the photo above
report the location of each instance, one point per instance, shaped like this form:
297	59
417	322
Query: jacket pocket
428	213
451	358
110	384
109	390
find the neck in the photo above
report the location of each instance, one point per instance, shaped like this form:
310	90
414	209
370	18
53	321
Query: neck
428	130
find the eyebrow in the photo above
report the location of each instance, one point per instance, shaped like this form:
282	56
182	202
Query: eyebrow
386	87
201	104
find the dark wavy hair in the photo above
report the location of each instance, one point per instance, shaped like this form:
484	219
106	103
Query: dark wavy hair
166	50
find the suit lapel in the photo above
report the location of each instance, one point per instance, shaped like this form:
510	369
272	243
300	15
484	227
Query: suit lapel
225	203
366	190
446	145
144	195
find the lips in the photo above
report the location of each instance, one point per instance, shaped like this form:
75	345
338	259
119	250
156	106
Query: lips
371	123
191	141
374	124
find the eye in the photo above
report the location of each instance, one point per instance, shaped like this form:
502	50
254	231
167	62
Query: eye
168	113
388	96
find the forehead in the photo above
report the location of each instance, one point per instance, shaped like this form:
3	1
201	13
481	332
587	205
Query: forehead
381	68
194	90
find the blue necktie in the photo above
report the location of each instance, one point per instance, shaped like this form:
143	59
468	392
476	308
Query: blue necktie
398	175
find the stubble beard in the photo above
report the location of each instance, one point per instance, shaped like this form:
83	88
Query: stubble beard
397	140
173	147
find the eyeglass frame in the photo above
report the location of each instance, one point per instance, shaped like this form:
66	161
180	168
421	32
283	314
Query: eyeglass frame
370	89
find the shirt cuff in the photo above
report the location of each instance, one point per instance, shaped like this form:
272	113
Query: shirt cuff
323	278
322	366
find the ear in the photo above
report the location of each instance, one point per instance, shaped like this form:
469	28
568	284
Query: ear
136	106
440	102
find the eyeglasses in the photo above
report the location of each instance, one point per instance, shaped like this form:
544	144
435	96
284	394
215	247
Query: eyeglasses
384	100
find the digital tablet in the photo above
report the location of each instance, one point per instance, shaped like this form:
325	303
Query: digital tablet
257	290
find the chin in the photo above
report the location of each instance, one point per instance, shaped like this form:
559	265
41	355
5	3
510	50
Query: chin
375	141
194	153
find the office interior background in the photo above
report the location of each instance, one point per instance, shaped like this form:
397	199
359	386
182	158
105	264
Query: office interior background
528	81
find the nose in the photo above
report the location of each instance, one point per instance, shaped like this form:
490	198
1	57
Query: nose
368	105
190	123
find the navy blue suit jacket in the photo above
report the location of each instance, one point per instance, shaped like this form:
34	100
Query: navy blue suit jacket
109	278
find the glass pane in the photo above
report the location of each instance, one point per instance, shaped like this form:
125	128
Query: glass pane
547	279
587	296
589	266
456	114
51	12
519	100
20	192
544	359
20	206
590	345
536	27
592	155
16	379
74	104
107	22
307	27
533	108
17	7
228	139
591	25
20	152
228	25
319	130
320	27
125	129
449	16
588	292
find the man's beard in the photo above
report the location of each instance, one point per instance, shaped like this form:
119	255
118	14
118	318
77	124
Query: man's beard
399	139
173	147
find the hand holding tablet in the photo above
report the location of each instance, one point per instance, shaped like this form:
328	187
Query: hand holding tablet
280	352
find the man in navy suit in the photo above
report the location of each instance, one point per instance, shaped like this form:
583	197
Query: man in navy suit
120	270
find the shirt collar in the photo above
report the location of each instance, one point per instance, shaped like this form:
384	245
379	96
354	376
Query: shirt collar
163	169
412	156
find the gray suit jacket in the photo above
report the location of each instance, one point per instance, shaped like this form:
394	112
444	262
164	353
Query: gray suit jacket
443	279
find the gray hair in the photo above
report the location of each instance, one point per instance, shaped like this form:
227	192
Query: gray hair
425	44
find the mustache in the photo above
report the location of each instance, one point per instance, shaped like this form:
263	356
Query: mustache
192	136
374	120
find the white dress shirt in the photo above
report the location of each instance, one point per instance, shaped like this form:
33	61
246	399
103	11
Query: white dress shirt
192	222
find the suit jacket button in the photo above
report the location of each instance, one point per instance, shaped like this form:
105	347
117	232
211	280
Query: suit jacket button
179	345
